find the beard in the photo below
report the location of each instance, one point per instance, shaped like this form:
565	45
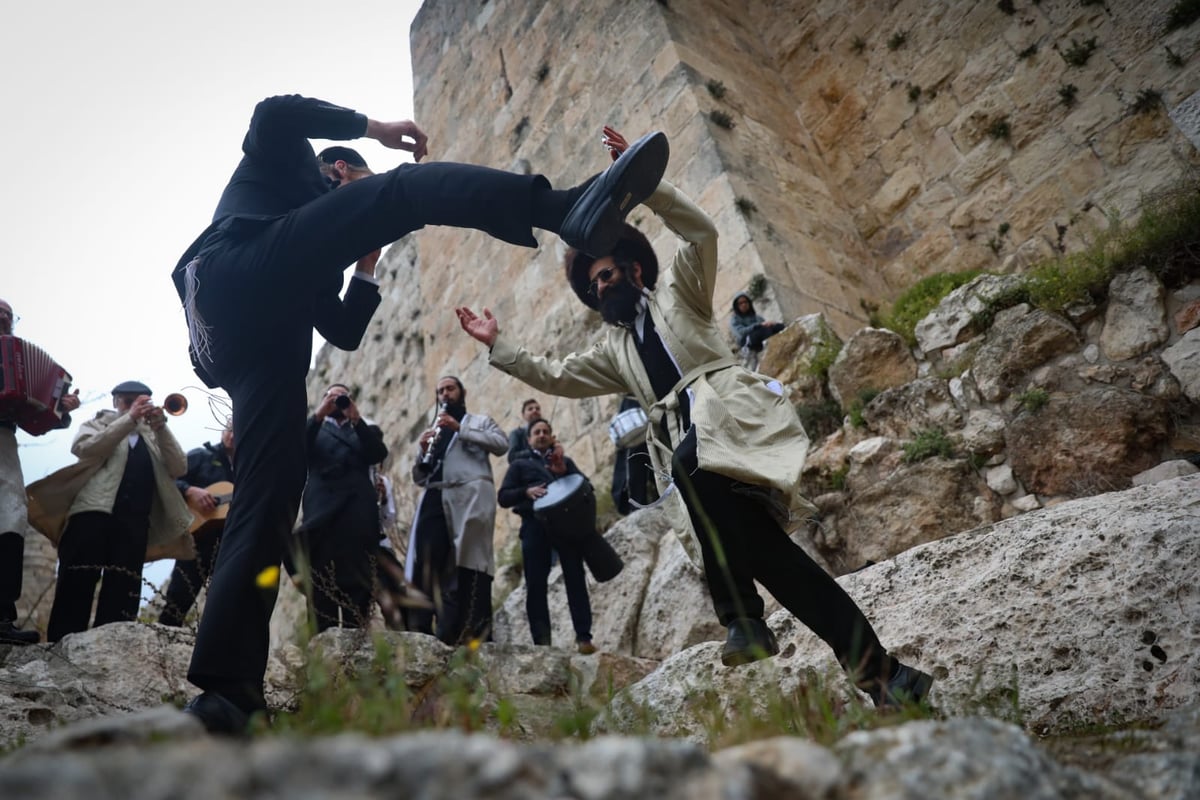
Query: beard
456	410
619	306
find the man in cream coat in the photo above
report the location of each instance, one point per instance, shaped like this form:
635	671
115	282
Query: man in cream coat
451	556
726	438
114	509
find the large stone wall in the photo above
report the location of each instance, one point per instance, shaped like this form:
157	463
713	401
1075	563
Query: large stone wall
867	159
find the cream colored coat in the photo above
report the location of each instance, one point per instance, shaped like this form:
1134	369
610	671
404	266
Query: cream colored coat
745	428
91	483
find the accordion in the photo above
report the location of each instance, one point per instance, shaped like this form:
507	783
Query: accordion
31	385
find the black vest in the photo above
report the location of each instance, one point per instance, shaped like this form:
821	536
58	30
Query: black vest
135	495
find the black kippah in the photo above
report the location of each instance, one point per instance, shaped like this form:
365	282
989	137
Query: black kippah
338	153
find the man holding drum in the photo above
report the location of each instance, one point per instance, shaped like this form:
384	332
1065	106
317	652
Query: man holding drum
526	482
728	439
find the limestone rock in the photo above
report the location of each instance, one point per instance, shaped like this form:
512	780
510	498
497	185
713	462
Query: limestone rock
1183	358
1165	471
788	356
914	504
944	326
1136	319
1015	345
1088	442
1085	578
873	359
1188	316
984	432
902	411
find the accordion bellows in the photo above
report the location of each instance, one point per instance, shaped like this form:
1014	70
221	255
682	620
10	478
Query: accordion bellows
31	385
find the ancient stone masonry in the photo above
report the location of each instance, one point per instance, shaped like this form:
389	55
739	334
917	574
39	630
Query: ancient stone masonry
845	149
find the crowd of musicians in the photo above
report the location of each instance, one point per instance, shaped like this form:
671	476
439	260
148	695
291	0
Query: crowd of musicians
268	271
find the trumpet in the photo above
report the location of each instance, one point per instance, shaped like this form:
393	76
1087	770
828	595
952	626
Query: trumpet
175	404
427	456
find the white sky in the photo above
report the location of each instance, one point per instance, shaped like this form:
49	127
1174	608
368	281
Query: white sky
123	120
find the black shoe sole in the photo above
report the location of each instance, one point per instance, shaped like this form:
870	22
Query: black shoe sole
593	225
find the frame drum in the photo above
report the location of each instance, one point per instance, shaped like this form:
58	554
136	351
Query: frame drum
628	429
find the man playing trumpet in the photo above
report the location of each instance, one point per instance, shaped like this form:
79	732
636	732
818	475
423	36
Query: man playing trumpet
114	509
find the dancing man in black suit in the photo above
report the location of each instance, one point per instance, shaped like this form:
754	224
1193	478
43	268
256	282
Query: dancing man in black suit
268	270
341	510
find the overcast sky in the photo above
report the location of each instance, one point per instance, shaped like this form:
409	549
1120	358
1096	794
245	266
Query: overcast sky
123	121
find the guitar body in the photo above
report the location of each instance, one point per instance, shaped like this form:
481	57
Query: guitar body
223	491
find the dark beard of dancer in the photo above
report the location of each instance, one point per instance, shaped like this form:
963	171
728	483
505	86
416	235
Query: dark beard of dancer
619	305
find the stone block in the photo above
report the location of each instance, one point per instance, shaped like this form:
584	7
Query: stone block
897	191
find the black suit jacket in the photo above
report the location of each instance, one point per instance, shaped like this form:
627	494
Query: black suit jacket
277	174
339	492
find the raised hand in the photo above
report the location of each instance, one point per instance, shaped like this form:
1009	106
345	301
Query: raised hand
483	329
615	142
400	135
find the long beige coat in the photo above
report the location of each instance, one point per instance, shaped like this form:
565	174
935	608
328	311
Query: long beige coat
468	493
91	483
745	428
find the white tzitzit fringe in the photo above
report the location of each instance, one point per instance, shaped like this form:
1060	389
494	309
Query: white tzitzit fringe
199	332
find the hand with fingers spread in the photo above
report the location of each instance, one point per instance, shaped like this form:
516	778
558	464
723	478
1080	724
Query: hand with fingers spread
614	141
484	329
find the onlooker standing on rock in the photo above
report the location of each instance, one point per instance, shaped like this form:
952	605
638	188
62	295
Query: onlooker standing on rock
340	532
451	554
729	439
13	517
518	437
526	481
112	510
207	465
749	329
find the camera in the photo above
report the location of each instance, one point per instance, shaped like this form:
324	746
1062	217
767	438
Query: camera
342	401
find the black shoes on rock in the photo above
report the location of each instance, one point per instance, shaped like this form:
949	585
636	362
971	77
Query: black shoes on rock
749	640
218	715
593	224
907	686
11	634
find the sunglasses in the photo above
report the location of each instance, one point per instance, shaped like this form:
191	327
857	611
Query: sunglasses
605	275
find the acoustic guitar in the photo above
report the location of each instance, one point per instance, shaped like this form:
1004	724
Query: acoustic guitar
223	492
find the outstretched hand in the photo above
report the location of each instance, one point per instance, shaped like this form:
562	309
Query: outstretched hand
483	328
401	135
615	142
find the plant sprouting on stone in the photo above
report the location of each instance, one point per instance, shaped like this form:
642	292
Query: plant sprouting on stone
1066	94
721	119
542	72
715	88
1182	14
824	354
897	40
1003	228
922	297
1147	100
999	129
1173	58
1033	399
855	412
858	44
745	206
1086	3
1028	52
995	244
914	93
757	286
927	444
1007	7
1079	52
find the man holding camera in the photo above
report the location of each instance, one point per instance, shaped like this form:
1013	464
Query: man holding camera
338	537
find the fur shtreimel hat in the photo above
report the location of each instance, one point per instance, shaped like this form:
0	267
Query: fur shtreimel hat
632	246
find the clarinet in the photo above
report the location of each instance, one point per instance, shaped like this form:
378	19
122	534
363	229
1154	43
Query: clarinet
427	458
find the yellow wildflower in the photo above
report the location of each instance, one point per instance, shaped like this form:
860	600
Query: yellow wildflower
268	578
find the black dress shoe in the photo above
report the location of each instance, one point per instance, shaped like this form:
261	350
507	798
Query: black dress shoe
749	640
11	634
593	224
907	686
218	715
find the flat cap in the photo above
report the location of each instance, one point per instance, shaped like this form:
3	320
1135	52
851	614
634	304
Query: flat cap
131	387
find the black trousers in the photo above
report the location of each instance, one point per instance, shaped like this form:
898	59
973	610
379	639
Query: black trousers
12	573
97	547
760	333
536	550
188	577
340	559
741	542
256	288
